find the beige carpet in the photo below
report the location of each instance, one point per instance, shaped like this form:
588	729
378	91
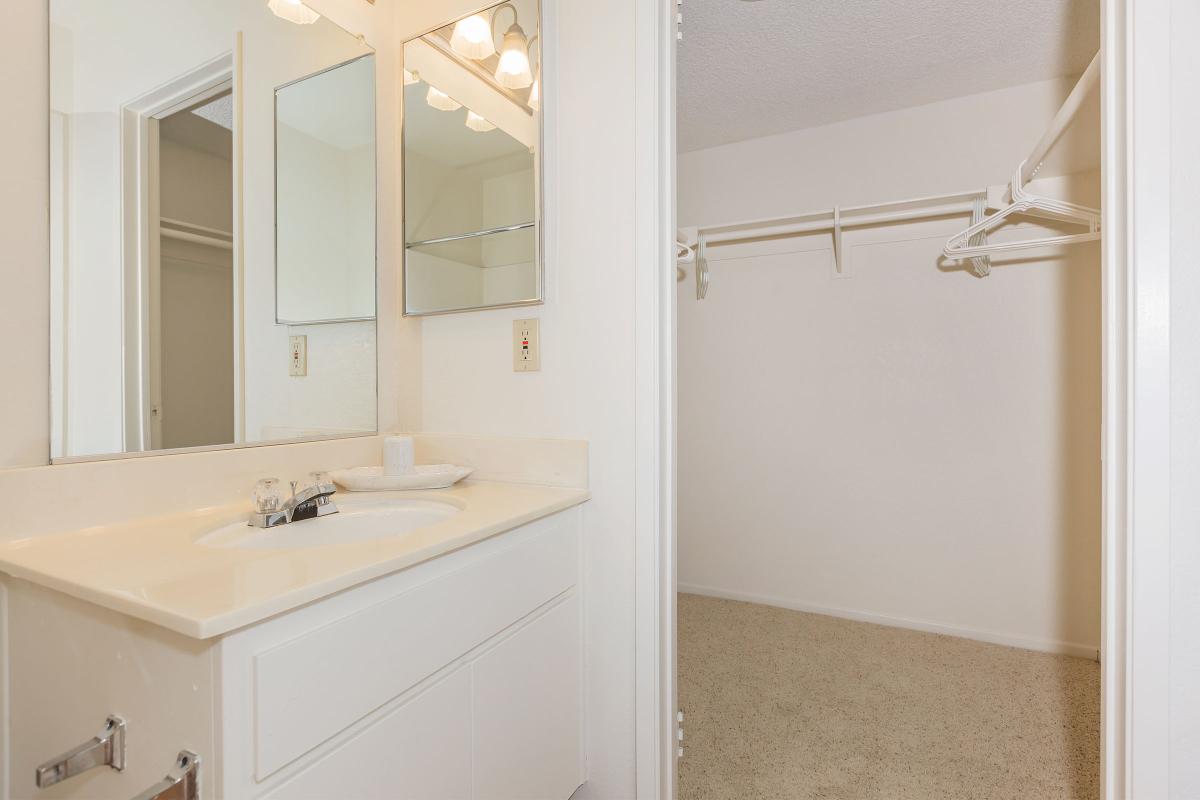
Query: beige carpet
781	704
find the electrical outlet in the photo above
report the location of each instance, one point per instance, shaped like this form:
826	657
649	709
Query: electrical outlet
297	356
527	351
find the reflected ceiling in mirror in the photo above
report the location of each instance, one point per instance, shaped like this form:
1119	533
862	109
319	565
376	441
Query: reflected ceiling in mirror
163	219
472	172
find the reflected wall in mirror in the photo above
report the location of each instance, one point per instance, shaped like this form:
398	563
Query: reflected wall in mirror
472	172
325	195
163	225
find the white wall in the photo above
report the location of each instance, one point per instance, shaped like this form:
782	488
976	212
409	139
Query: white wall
321	249
907	443
586	386
93	320
24	268
1184	665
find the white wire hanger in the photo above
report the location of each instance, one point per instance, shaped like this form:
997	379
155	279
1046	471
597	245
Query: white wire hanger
965	245
981	264
701	256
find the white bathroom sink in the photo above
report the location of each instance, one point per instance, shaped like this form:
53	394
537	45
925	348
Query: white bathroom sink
355	522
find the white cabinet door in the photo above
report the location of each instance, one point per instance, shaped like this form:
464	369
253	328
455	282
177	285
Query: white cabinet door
420	751
528	710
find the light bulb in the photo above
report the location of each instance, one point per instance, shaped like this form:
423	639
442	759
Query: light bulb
441	101
535	94
472	38
513	70
293	11
410	78
478	123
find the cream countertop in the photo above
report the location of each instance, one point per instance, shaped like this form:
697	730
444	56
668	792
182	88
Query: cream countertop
154	570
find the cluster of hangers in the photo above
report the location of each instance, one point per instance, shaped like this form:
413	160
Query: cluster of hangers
970	245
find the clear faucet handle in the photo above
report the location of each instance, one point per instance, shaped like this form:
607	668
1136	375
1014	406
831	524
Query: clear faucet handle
319	479
268	496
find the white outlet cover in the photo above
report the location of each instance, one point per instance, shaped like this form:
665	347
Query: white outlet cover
298	356
527	347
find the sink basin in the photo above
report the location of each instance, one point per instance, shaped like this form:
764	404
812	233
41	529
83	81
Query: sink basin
355	522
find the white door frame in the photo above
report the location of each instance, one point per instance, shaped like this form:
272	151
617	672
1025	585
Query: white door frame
1137	398
654	425
1136	386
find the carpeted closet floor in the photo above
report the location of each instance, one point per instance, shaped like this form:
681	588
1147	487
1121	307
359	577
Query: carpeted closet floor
781	704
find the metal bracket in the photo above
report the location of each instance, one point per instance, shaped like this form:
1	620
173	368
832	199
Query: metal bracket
106	749
181	783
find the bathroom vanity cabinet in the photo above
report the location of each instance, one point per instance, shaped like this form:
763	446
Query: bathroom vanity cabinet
460	677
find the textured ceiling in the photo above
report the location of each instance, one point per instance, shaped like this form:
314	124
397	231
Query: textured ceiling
219	111
756	68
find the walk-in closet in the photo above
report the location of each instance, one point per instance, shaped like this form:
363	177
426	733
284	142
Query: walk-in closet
889	399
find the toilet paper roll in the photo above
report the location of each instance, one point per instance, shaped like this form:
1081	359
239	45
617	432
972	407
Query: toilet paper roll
398	456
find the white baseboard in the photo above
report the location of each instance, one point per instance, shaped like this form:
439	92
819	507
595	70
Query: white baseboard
1089	651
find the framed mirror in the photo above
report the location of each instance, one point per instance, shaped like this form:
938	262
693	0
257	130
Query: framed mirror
212	199
325	196
472	163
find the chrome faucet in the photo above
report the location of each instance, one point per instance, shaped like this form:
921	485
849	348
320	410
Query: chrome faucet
313	498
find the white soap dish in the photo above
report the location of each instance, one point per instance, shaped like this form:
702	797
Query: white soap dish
372	479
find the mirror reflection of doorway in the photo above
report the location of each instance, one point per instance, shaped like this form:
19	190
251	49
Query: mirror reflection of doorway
191	277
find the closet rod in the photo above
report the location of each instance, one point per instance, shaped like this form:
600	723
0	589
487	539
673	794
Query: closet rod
196	238
1062	120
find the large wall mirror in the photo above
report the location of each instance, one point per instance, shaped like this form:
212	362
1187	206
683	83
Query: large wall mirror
472	163
212	225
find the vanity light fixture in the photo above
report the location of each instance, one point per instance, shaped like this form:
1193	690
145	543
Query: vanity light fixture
411	77
478	123
293	11
472	38
513	71
441	101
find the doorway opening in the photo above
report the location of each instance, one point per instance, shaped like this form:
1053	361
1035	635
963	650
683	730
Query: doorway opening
181	279
889	406
191	275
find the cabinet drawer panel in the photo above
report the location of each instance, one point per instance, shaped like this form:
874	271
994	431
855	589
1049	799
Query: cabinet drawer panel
308	689
420	751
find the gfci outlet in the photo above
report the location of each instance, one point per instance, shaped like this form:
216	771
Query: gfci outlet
298	354
527	351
